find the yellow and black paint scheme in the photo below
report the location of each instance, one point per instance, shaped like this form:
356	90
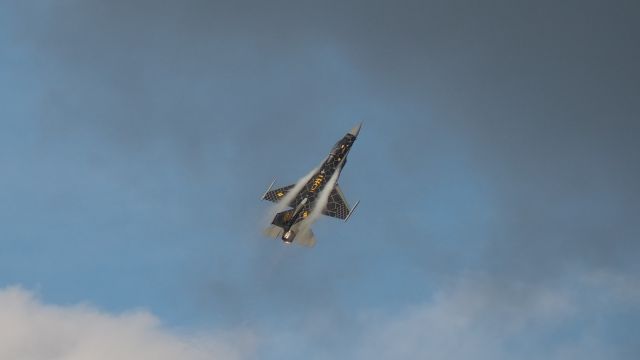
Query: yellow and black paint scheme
305	200
317	182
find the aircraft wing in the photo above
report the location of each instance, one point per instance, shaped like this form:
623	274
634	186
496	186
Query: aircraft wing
277	194
337	205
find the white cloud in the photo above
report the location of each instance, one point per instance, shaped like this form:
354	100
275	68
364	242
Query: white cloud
477	318
31	330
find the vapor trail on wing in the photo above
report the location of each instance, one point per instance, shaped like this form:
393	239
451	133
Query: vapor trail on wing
284	203
321	203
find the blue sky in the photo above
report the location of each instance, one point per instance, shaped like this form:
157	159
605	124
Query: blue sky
497	169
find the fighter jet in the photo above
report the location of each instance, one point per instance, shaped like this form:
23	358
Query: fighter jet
318	193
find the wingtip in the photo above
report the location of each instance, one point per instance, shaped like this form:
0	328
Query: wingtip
352	210
270	186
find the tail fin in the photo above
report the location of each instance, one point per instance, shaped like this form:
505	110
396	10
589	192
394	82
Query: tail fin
282	217
304	236
277	228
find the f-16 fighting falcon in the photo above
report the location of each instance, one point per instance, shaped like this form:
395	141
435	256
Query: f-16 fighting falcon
315	194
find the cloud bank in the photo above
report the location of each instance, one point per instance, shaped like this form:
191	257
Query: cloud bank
32	330
481	318
137	134
473	317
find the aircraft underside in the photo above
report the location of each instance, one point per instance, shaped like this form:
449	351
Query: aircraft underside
315	195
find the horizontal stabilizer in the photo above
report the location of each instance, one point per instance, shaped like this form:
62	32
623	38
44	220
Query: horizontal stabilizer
281	218
273	231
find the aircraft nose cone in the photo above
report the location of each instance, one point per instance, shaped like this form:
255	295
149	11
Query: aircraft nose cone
355	130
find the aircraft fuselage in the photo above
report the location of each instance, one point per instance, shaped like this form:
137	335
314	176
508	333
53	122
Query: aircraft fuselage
334	162
317	194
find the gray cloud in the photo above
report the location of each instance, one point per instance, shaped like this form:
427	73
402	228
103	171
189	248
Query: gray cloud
500	138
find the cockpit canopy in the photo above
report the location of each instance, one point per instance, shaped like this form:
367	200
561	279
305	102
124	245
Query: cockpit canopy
340	148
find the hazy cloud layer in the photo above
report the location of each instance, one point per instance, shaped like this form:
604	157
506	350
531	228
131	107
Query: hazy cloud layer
31	330
534	103
474	318
479	318
500	138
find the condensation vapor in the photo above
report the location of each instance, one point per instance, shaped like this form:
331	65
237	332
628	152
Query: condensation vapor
284	203
321	203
